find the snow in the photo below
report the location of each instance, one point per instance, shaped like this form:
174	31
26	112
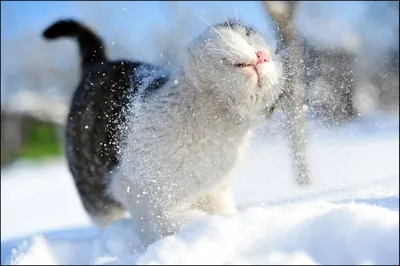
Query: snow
350	215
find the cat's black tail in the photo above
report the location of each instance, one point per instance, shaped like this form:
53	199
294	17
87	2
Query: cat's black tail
91	46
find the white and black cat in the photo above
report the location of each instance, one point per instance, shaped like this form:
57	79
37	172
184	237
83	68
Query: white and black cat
157	142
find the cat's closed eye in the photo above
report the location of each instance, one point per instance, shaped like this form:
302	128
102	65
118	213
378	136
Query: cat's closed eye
249	31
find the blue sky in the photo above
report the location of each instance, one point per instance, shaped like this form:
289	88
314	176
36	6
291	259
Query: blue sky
125	21
131	21
16	16
135	18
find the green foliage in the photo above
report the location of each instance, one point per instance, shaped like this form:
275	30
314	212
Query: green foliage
41	141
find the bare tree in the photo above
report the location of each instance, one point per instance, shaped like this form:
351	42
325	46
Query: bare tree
283	14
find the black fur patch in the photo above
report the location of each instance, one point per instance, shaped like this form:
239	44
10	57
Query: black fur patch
234	24
93	133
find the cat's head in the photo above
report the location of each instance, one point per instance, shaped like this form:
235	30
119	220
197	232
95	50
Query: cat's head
233	62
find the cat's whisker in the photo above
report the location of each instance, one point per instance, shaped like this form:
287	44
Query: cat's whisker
215	28
208	24
288	93
284	93
288	97
227	22
276	95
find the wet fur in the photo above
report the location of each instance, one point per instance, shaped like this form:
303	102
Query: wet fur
157	142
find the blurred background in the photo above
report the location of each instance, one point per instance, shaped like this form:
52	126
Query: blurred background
350	52
349	61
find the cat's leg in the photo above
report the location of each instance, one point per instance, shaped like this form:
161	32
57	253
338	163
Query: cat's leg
147	205
153	217
102	219
101	208
218	201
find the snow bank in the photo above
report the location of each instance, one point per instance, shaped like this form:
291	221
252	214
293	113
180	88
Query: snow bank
303	234
350	215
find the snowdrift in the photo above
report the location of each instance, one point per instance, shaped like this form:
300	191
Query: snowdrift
350	215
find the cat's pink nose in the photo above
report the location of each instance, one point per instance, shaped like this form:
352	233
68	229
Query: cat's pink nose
263	57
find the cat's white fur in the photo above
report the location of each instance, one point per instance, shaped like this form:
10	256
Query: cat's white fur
185	142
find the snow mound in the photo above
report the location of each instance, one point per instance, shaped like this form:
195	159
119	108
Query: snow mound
306	233
350	214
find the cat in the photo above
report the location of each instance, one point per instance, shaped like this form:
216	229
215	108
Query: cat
157	142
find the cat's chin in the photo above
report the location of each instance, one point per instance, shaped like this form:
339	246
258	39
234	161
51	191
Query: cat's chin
251	77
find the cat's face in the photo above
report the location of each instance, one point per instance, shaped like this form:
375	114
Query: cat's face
233	61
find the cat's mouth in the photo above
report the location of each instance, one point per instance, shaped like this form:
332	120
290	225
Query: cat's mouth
253	67
262	57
